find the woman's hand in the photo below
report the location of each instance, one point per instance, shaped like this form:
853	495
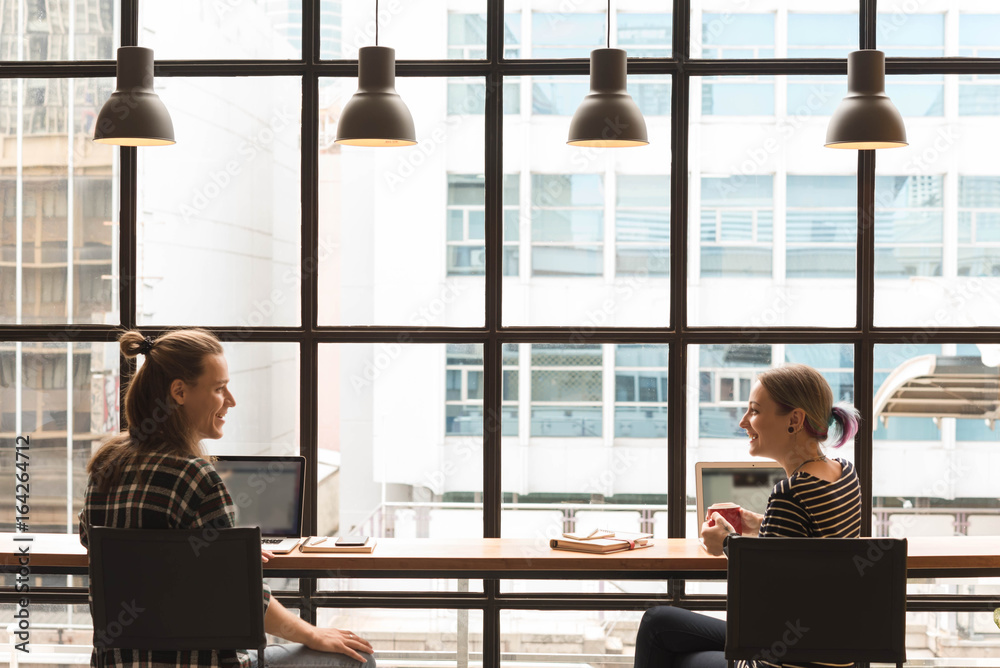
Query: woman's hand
751	522
265	555
712	536
282	623
341	642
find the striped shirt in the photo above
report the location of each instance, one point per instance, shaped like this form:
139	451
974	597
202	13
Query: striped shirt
164	492
805	506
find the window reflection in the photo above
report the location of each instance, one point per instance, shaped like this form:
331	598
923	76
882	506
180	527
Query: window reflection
938	400
737	216
822	227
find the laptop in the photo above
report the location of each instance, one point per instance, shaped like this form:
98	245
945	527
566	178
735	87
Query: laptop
747	484
268	492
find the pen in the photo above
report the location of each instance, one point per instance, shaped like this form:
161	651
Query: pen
321	540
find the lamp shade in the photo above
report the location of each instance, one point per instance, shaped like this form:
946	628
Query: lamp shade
376	115
134	115
608	116
866	118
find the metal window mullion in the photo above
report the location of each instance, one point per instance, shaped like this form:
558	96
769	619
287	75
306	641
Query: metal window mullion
867	24
864	352
492	346
70	242
19	214
309	299
680	113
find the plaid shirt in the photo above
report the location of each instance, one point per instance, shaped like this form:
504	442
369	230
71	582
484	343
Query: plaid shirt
164	492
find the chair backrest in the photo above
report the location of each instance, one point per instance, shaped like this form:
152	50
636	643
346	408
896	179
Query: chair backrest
176	589
835	600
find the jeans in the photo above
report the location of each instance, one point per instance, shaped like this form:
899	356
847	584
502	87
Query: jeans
297	655
677	638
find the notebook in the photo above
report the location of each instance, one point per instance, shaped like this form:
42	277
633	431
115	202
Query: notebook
747	484
268	493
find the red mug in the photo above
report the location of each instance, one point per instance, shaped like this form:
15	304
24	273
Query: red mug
731	513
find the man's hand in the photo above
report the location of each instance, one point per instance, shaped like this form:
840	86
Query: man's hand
341	642
712	536
751	522
265	555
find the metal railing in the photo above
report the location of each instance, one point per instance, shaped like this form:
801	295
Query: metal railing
382	520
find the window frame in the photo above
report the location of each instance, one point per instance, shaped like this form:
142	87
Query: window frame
686	74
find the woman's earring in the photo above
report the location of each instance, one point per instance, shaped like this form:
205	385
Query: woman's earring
791	429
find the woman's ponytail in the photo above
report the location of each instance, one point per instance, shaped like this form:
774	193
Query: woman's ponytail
848	420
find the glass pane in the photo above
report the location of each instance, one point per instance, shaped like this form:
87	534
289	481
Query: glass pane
436	636
380	209
725	374
264	380
645	34
398	462
642	225
594	230
59	30
977	26
640	392
59	192
467	223
556	96
736	96
938	254
814	35
62	398
219	212
552	30
566	35
757	262
70	625
749	29
936	405
978	94
908	226
569	637
597	414
732	35
812	96
903	31
430	30
916	96
223	29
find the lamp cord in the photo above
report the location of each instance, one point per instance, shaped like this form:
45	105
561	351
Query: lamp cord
609	24
376	22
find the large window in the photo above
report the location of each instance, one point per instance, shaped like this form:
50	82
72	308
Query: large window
493	333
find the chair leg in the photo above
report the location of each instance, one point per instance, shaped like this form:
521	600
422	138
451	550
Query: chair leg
262	664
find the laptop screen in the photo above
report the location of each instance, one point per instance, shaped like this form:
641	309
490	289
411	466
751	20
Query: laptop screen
747	484
267	492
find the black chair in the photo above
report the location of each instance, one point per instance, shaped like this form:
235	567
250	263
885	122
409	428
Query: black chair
835	600
176	589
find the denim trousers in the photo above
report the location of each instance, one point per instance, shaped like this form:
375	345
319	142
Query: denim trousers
677	638
298	655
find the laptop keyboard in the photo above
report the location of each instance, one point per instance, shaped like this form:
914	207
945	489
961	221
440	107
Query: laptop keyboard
271	541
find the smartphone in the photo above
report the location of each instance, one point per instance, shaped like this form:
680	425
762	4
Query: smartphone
351	541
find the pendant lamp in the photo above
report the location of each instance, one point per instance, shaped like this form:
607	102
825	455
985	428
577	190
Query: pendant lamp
866	118
608	116
376	115
134	115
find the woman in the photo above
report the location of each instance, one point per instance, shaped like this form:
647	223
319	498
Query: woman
154	475
789	414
